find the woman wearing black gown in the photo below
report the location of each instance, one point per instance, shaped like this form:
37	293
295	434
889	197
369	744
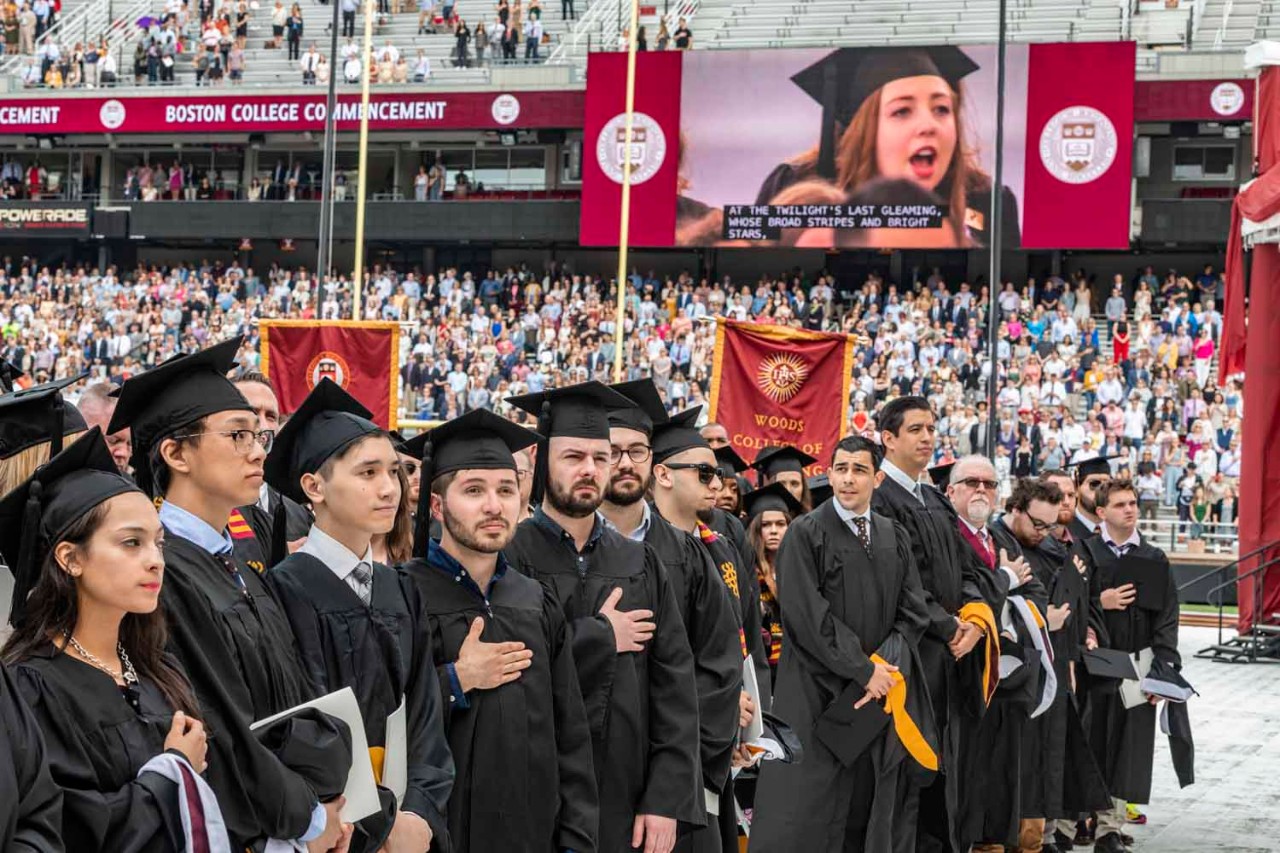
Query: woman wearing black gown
123	737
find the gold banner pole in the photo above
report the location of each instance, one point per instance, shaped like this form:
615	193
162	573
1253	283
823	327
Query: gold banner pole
357	275
624	230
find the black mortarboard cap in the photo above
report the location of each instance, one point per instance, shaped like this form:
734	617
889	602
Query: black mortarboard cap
9	374
941	474
314	745
730	460
774	496
843	79
328	421
1166	681
677	435
35	515
1110	663
820	490
397	439
647	410
773	461
38	414
173	395
1093	465
847	730
414	446
478	439
576	411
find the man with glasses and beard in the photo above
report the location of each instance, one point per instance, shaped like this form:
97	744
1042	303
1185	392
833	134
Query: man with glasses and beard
710	615
502	651
633	658
1065	781
992	753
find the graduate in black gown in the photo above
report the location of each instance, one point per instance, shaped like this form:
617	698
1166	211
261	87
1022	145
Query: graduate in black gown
770	511
1123	739
359	623
260	394
962	597
502	654
629	643
197	445
1061	779
852	611
30	801
708	605
121	728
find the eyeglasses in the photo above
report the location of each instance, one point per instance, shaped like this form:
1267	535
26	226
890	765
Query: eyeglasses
976	483
1041	527
706	473
523	473
409	468
243	439
636	453
1096	483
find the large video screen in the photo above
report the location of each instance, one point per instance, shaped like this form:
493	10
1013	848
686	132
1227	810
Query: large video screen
866	147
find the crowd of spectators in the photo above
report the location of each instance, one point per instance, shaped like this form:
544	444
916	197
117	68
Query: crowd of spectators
1132	385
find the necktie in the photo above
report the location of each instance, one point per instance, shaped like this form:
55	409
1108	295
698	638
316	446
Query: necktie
918	492
860	530
1121	550
362	574
985	538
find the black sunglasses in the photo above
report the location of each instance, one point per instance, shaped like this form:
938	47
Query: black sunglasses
706	473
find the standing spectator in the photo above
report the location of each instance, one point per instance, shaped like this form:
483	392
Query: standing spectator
421	68
43	10
462	37
683	37
10	29
349	8
421	182
278	18
1116	307
351	69
435	186
1120	341
27	23
310	65
664	35
481	37
322	71
424	15
510	41
1203	350
107	69
642	40
1199	512
532	38
567	11
235	62
1149	487
293	32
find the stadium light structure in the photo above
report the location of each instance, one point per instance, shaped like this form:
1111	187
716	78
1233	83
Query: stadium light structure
997	242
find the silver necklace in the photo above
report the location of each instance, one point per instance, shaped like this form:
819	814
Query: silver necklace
127	674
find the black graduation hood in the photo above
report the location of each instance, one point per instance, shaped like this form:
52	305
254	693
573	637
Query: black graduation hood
328	421
36	415
647	410
175	394
843	79
35	515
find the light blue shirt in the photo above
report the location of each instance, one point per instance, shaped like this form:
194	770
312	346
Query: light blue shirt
194	529
640	532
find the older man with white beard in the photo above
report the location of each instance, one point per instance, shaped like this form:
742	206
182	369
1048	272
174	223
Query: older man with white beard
990	764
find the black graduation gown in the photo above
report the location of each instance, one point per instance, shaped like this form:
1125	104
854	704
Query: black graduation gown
714	627
298	520
839	606
383	653
30	800
951	576
1065	781
990	757
1123	740
642	707
237	649
748	579
96	745
525	781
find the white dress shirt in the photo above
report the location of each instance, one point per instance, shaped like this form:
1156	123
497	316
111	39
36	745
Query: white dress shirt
902	479
848	515
341	561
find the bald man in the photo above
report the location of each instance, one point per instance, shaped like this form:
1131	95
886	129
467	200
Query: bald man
96	407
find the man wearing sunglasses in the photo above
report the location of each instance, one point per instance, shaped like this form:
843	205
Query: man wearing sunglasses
992	816
1091	475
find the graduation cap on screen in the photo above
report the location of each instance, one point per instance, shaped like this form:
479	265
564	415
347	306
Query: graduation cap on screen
35	515
773	497
678	434
9	374
36	415
843	80
575	411
820	490
646	411
773	461
173	395
730	460
1091	466
478	439
940	475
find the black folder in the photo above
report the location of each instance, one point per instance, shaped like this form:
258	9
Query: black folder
848	732
1150	579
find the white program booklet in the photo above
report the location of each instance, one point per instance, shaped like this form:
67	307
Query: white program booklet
1131	694
395	760
752	686
361	790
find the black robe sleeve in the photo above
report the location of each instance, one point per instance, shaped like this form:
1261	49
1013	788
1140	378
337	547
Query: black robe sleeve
1164	625
912	619
30	801
674	780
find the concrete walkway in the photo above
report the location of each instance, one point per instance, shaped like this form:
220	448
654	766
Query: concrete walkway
1234	805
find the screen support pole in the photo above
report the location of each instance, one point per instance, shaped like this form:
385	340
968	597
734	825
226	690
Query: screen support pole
624	231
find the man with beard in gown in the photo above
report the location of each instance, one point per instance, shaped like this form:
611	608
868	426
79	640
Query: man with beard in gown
962	597
710	615
1123	739
1063	780
852	612
358	623
502	654
634	664
198	445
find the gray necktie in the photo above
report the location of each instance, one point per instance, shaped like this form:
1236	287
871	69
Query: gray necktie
362	574
918	491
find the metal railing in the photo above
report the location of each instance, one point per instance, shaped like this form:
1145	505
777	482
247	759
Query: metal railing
1218	591
109	19
1172	534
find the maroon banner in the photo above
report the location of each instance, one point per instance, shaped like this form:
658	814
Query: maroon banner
1193	100
1079	146
655	149
290	113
